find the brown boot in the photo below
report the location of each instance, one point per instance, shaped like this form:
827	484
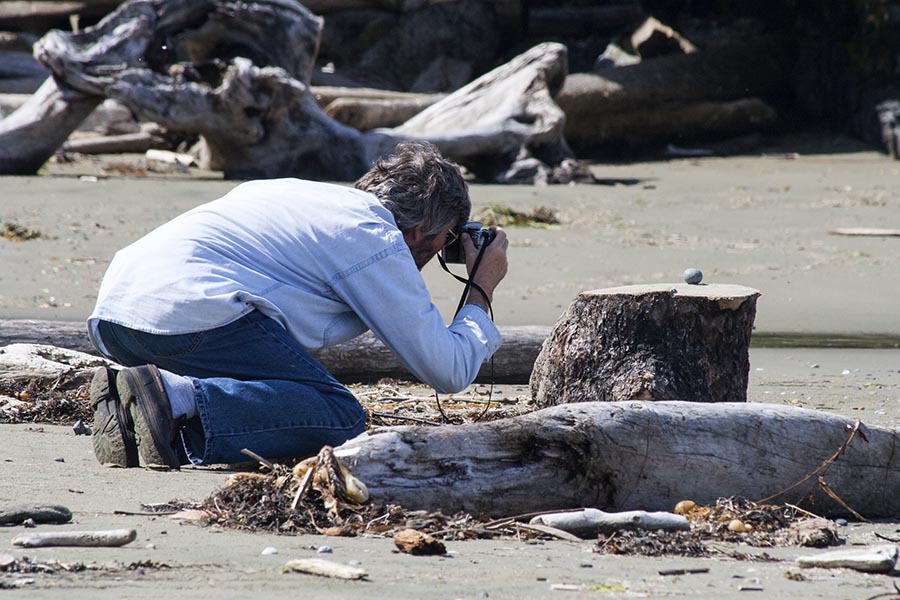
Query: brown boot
142	394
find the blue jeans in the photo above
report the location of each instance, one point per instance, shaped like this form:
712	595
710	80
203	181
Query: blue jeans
255	387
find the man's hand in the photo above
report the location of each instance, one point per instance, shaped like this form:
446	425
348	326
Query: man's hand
491	269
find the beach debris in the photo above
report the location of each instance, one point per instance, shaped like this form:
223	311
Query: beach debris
110	537
588	522
80	428
328	475
19	233
417	543
192	515
692	276
37	513
6	560
815	532
324	568
324	550
865	231
874	559
739	526
269	551
668	572
684	507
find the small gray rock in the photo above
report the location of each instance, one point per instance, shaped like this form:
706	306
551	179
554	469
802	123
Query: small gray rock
841	522
81	429
693	276
323	550
269	550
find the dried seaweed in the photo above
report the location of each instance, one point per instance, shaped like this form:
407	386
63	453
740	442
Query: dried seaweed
64	402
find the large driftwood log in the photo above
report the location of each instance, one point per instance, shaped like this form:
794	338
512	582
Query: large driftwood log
758	68
362	360
633	455
649	342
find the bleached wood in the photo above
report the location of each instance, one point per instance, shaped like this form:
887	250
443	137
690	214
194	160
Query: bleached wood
589	522
41	539
631	456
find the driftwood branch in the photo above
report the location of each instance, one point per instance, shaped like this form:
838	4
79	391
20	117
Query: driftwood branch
111	537
589	522
364	359
630	455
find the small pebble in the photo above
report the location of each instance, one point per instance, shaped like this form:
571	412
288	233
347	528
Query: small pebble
59	459
354	563
29	522
268	550
841	522
81	429
693	276
323	550
150	546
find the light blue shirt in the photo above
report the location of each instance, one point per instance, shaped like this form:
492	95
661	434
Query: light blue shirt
326	261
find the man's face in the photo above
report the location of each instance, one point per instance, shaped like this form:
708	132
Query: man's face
425	247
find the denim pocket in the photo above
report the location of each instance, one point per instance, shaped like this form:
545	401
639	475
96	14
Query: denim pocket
168	345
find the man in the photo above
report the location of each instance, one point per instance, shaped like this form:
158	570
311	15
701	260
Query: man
215	312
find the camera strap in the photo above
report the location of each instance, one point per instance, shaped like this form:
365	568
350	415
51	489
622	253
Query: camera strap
462	302
468	282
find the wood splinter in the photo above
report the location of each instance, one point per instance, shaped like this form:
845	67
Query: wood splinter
589	522
111	537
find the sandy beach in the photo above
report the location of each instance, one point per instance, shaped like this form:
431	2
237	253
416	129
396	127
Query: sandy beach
761	221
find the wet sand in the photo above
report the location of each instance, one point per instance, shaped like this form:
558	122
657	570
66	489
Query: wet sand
759	221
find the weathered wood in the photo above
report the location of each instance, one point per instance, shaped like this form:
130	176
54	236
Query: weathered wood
111	144
680	123
42	539
877	559
649	342
326	94
633	456
589	522
363	359
369	114
654	38
31	135
261	121
758	68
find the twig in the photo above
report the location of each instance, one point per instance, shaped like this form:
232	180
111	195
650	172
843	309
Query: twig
304	486
508	520
806	512
376	413
837	499
818	469
259	459
890	539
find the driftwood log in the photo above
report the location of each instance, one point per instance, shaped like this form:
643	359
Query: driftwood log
238	74
649	342
758	68
634	456
362	360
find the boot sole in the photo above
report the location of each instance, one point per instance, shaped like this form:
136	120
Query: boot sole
114	443
152	420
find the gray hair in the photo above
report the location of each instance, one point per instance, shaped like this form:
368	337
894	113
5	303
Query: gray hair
420	187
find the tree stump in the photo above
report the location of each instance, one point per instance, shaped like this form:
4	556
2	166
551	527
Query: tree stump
649	342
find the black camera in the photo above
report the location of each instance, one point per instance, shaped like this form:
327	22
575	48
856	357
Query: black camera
481	236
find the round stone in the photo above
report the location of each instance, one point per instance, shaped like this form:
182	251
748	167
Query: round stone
693	276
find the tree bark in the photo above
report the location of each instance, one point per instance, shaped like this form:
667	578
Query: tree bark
633	455
649	342
362	360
